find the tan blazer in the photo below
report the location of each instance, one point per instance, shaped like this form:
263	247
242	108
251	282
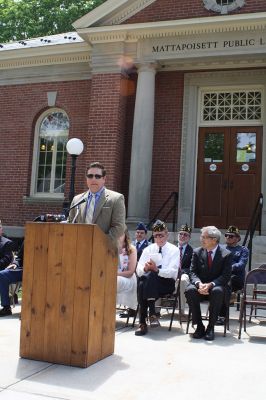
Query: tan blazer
109	213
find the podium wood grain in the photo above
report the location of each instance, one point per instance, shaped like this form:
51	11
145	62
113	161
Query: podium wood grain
69	294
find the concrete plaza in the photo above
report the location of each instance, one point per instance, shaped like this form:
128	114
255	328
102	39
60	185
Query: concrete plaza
160	365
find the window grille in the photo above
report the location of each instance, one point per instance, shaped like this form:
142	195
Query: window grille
243	105
224	2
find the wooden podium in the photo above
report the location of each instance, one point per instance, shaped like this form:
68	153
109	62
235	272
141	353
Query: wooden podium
69	294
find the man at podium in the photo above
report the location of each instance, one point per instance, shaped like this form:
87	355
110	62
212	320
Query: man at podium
99	205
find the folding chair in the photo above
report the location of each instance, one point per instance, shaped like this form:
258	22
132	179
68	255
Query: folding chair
206	317
14	288
125	309
173	300
257	292
254	277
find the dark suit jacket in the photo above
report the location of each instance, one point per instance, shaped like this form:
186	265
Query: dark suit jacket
220	271
109	213
141	248
186	259
6	254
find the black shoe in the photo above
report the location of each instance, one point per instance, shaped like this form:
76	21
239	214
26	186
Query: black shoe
130	313
199	332
209	333
220	321
5	311
142	330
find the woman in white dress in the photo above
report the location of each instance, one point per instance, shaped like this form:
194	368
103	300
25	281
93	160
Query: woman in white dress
126	277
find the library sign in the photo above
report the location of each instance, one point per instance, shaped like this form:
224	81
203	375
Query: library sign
211	46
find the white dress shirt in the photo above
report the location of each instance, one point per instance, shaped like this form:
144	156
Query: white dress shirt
170	260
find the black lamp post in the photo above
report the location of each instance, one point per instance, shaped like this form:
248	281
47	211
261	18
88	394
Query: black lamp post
74	148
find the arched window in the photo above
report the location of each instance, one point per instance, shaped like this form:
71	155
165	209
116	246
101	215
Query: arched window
49	161
223	6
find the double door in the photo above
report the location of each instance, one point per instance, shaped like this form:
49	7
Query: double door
228	175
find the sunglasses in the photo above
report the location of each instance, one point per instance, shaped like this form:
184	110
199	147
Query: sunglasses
96	176
227	235
159	235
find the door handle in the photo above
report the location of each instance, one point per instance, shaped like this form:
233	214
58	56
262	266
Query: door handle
225	184
231	185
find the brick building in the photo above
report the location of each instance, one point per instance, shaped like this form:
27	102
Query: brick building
169	95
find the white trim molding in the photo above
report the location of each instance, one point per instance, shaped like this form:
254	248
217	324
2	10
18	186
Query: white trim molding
112	12
175	28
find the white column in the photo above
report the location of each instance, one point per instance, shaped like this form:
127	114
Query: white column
142	146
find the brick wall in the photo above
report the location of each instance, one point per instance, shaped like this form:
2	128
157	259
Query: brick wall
105	142
20	107
167	137
164	10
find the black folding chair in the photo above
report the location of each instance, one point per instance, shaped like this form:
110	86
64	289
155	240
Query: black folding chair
257	300
257	292
176	301
206	317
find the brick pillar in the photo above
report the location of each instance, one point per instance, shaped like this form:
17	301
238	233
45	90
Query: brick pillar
105	141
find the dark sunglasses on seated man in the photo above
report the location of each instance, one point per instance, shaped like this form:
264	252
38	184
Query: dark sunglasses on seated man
228	235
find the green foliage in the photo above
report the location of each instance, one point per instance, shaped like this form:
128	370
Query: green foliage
24	19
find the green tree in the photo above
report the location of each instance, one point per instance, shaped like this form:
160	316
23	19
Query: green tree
24	19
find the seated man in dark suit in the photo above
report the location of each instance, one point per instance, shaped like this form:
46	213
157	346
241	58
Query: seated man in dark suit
12	274
6	247
140	241
210	274
157	270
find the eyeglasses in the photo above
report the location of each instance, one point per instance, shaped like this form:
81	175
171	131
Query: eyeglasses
229	236
96	176
207	237
158	236
183	234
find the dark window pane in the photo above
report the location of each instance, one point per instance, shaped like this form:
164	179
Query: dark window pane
47	185
48	172
58	172
41	172
214	147
49	157
40	185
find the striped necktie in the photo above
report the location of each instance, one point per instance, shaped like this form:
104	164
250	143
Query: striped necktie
181	254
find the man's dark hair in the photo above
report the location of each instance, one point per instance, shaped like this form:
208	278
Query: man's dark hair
97	164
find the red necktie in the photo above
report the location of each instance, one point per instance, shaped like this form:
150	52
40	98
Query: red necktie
209	259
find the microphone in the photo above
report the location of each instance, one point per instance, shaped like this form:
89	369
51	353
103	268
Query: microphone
78	203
